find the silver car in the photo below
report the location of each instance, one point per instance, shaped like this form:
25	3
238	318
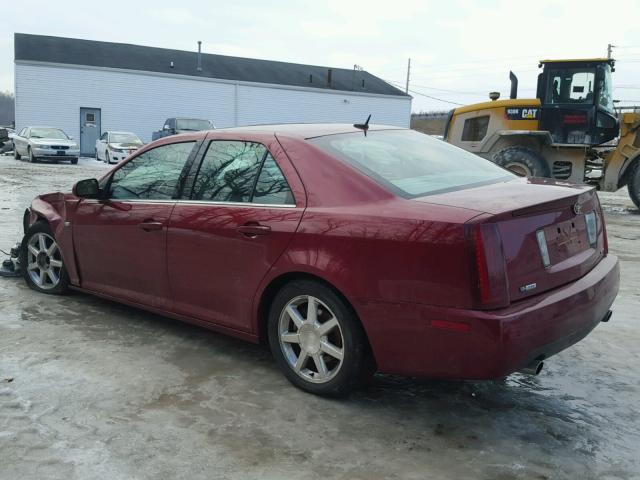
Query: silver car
48	143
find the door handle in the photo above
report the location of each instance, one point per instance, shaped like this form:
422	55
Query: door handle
254	229
149	226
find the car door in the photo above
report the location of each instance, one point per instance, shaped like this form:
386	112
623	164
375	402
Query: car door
243	207
20	141
101	145
120	241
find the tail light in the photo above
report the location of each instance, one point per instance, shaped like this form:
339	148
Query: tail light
492	285
605	240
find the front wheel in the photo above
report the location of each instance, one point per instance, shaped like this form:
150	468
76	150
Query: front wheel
16	155
317	340
74	161
634	184
41	260
32	159
107	160
522	161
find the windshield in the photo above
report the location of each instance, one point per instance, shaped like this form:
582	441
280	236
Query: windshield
125	138
48	133
192	124
412	164
605	88
571	85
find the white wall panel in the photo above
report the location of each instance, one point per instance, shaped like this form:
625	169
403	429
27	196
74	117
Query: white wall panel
138	102
255	104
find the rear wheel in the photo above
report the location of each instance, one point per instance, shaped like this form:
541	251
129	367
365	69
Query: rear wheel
317	340
634	184
522	161
43	268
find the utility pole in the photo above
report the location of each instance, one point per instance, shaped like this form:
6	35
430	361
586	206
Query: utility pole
408	73
609	50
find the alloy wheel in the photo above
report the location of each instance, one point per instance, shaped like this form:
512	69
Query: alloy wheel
311	339
44	261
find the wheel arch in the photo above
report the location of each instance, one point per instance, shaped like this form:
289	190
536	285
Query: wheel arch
532	139
278	282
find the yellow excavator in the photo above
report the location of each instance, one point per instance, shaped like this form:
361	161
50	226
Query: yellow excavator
570	131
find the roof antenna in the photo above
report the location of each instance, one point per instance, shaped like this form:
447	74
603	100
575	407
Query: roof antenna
363	126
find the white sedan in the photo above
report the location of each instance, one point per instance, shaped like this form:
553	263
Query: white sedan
45	143
113	147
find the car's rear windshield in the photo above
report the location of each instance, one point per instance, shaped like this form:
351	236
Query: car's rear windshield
412	164
192	124
48	133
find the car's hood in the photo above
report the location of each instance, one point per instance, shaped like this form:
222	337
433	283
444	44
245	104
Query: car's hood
513	195
53	141
128	146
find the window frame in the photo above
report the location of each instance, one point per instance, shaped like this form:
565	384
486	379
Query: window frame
469	121
192	175
195	150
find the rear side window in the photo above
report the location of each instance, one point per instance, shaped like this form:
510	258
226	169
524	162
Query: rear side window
412	164
240	172
272	187
153	175
475	129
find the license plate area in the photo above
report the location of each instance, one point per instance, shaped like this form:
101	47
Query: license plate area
60	153
566	239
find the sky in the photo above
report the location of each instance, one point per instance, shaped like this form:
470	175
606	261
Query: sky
460	50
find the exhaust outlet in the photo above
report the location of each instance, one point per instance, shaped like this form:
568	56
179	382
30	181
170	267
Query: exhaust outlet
534	368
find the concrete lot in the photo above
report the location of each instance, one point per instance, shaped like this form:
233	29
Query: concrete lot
101	390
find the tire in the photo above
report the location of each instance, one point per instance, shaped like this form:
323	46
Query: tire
107	160
334	349
30	156
74	161
633	185
37	257
16	155
523	161
95	153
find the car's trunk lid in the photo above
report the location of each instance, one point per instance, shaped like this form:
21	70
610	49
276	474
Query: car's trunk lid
524	208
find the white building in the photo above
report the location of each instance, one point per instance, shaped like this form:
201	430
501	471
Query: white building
88	87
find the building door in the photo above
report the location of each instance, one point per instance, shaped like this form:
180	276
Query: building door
89	130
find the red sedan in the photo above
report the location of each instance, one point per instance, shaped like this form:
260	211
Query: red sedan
348	249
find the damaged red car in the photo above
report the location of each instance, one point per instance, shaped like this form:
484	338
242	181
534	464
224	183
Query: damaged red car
348	249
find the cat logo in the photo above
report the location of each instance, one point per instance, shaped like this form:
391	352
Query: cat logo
522	113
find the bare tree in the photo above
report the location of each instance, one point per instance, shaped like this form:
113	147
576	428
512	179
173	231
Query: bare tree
7	108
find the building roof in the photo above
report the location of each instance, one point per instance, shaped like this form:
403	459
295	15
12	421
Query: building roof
41	48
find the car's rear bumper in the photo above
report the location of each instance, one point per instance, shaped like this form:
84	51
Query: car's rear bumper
419	340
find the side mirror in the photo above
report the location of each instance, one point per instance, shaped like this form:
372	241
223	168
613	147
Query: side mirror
88	188
166	127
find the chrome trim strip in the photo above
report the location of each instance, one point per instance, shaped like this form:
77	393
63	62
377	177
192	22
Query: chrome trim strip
197	202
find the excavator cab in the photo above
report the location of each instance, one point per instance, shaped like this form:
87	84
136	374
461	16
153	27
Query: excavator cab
576	98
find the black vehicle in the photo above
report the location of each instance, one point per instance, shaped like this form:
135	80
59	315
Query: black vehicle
173	126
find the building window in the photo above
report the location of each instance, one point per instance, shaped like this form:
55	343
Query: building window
475	129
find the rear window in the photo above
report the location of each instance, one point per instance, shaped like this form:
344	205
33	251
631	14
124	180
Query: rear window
412	164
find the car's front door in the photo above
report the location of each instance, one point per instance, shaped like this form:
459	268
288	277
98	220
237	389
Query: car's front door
20	141
120	241
238	218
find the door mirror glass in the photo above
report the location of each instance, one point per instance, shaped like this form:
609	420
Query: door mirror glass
88	188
